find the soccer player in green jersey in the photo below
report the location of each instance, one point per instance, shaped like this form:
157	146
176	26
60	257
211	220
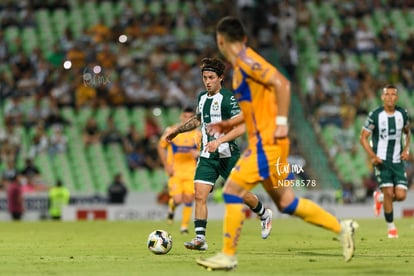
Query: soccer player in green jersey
218	153
389	129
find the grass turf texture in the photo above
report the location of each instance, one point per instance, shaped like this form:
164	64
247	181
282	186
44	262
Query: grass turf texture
119	248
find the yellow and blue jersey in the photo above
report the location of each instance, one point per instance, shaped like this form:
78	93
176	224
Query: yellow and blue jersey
179	153
263	158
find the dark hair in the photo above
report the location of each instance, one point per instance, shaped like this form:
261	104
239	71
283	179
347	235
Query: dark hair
214	65
232	28
188	109
390	86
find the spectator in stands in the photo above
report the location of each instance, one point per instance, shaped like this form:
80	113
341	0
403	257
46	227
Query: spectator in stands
55	118
37	113
27	84
365	39
329	113
135	158
304	16
6	85
106	58
99	32
345	138
58	141
152	128
133	138
111	134
346	40
77	56
40	141
116	94
14	110
327	41
85	93
15	198
30	177
9	172
10	141
58	197
91	133
117	190
61	92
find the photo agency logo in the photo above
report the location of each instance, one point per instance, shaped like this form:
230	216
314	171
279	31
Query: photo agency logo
292	176
94	77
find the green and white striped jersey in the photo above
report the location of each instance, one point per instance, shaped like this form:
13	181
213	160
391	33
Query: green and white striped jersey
387	132
219	107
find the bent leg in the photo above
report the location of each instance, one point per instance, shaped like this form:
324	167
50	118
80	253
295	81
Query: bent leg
288	203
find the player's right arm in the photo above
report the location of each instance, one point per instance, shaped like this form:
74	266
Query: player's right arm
190	124
363	139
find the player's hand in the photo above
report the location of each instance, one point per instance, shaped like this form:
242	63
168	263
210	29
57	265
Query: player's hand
218	128
195	153
281	132
376	161
212	146
405	155
169	170
171	134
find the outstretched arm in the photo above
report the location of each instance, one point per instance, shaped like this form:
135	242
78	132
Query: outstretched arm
191	124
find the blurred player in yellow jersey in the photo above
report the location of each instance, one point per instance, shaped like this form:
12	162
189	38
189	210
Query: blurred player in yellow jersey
264	97
179	159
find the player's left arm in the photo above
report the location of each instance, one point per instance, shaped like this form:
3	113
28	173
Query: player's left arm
237	131
281	87
405	154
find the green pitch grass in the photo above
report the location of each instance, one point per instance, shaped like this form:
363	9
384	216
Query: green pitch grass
119	248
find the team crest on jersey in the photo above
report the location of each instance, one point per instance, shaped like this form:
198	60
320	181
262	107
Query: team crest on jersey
215	106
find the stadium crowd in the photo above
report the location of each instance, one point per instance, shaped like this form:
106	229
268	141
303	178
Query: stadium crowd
149	57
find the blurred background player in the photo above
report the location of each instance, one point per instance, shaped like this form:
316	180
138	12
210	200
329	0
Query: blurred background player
264	97
179	158
390	129
59	196
218	153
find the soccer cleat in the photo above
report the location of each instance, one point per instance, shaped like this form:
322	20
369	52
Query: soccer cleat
196	244
267	224
348	228
184	231
218	262
377	202
393	233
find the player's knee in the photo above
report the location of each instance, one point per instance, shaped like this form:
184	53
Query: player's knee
400	196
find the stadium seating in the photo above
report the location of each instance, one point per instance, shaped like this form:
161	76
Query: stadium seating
349	168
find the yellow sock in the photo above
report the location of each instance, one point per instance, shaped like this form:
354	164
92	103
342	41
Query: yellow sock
313	213
187	212
171	205
233	221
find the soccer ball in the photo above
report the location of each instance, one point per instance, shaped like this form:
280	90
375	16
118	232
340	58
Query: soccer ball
159	242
